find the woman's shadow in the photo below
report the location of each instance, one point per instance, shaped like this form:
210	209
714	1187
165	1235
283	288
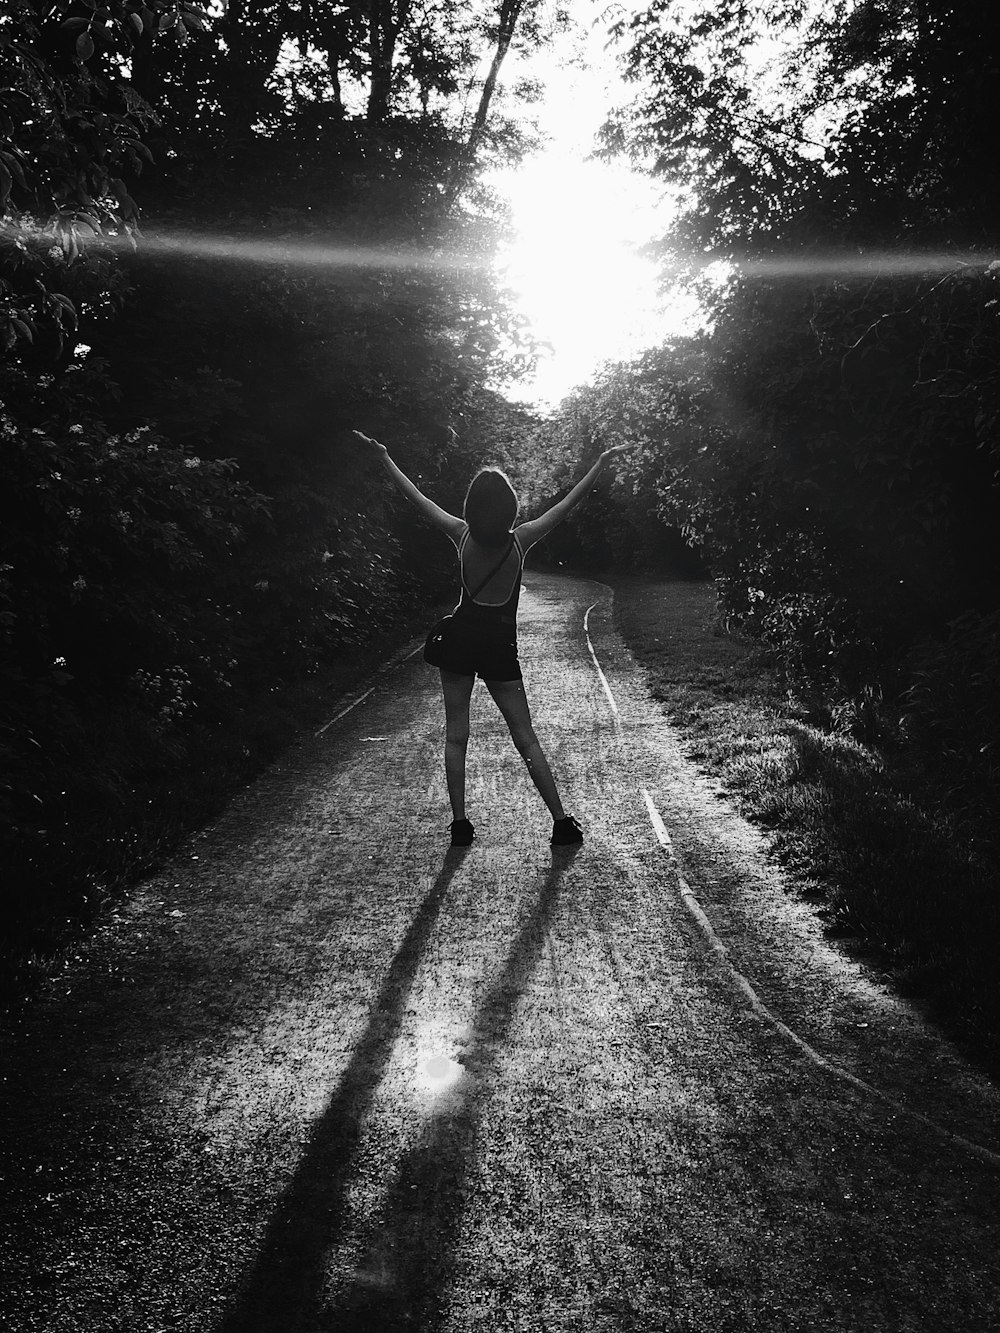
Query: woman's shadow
404	1277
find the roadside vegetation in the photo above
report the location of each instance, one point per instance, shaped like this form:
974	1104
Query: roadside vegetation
870	831
193	554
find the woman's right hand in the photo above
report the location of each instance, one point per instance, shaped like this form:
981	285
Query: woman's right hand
367	439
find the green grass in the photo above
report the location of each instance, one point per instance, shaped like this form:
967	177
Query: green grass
866	833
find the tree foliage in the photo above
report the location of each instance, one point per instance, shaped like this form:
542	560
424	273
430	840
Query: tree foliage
831	441
72	128
854	122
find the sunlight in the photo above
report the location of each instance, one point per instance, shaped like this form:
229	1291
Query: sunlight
573	264
437	1073
575	269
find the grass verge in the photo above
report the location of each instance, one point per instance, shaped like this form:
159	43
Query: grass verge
864	832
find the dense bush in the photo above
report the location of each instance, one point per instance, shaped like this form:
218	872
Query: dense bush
116	602
624	522
950	708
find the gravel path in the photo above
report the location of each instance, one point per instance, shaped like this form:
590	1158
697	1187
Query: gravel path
323	1073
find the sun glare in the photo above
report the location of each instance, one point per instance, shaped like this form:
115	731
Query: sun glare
574	264
437	1073
587	293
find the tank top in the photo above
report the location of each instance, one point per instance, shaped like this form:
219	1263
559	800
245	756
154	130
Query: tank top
505	612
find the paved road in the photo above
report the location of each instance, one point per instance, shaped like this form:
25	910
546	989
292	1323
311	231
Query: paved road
324	1074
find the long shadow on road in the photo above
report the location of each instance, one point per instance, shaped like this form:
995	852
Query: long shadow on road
404	1278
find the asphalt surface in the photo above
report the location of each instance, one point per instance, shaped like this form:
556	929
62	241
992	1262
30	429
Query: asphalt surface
323	1073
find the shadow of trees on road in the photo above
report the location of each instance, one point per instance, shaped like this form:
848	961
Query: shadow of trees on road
403	1280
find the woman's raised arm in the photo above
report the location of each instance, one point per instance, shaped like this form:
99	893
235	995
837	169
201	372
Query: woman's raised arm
537	528
432	512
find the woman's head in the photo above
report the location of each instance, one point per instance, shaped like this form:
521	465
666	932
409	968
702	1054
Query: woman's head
491	506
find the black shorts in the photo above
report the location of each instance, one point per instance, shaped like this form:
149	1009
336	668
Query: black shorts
473	647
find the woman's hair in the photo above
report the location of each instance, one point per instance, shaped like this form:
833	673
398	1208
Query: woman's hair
491	506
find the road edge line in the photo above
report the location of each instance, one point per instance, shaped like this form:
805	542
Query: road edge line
597	666
397	660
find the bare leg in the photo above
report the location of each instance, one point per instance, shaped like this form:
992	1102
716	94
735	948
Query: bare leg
512	701
457	693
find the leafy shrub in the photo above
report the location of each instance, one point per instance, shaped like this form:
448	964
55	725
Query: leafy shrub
115	562
952	706
829	452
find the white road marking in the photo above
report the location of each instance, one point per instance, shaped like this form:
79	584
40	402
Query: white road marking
744	985
597	666
394	661
344	711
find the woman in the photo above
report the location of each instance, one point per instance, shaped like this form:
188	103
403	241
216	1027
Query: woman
481	636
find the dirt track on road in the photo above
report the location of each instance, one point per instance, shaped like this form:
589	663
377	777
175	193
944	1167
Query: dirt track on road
323	1073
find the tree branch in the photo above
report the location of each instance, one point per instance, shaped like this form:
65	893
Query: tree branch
510	12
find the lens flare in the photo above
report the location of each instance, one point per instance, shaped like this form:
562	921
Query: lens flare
863	266
267	250
313	254
307	254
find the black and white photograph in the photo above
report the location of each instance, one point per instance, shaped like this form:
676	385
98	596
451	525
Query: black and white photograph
500	666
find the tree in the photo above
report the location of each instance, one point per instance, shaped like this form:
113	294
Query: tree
355	72
852	123
72	128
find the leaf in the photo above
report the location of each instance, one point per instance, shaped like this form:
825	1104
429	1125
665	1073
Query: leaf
84	47
136	23
66	308
68	242
15	168
193	16
74	25
91	222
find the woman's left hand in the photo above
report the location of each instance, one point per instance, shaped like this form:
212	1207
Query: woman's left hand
367	439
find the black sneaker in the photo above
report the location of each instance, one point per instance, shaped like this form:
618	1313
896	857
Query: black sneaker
566	831
462	833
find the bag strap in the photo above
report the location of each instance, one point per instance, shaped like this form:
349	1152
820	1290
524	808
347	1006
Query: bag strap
495	570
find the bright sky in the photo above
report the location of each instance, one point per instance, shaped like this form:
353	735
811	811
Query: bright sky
574	265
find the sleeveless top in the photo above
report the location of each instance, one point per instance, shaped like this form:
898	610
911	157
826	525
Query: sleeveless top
502	613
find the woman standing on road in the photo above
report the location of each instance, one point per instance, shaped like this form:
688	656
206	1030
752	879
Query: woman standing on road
480	637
